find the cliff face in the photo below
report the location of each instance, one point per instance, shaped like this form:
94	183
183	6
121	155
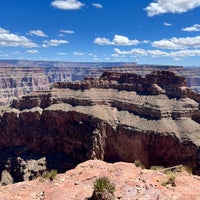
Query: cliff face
118	117
18	78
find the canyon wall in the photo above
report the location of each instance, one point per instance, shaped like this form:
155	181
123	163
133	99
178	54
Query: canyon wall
18	78
117	117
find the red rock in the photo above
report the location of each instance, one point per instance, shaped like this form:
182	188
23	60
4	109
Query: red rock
131	183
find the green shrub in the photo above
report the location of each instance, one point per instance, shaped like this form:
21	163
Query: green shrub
103	189
51	175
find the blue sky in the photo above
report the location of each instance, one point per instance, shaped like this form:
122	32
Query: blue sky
143	31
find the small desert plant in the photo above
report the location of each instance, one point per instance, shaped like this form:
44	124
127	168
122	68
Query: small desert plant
51	175
156	167
103	189
170	180
187	169
139	164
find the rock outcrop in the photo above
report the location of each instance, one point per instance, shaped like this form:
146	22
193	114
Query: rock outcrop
118	117
130	183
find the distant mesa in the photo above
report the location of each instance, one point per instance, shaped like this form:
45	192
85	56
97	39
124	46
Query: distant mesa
116	117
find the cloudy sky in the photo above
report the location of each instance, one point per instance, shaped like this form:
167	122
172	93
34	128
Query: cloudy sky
143	31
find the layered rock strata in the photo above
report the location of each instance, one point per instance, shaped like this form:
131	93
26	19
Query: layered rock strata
118	117
18	77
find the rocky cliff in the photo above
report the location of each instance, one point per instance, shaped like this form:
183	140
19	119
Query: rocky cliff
18	77
117	117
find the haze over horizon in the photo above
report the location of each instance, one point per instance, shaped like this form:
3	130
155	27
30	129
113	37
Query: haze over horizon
151	32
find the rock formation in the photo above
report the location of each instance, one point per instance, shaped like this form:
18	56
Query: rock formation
20	77
117	117
130	183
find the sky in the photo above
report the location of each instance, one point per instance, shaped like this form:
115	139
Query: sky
144	31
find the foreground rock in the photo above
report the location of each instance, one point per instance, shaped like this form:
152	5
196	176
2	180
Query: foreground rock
131	183
118	117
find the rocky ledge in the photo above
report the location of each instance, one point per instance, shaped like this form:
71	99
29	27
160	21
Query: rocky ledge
131	182
118	117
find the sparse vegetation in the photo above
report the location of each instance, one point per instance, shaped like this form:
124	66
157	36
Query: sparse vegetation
187	169
139	164
51	175
157	167
170	180
103	189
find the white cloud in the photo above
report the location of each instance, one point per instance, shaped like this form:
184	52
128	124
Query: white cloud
54	43
186	53
176	55
195	27
171	6
97	5
32	51
67	31
124	41
61	54
76	53
37	33
178	43
8	39
133	52
166	44
3	31
102	41
118	40
167	24
67	4
157	53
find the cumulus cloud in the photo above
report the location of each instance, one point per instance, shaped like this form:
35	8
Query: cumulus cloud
32	51
54	43
67	4
178	43
102	41
124	41
186	53
8	39
195	27
171	6
118	40
97	5
176	55
38	33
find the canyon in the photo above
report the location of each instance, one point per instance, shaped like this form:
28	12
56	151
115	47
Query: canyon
19	77
119	116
